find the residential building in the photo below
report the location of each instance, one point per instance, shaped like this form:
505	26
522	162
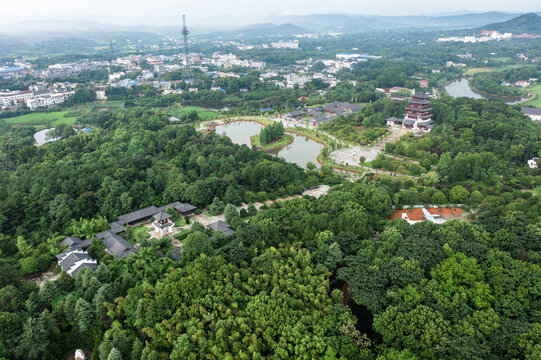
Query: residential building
100	95
13	97
293	45
14	72
533	162
532	113
46	100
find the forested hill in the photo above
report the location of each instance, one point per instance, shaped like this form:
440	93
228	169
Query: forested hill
134	160
527	23
326	278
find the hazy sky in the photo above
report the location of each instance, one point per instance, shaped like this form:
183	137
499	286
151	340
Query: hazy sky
207	8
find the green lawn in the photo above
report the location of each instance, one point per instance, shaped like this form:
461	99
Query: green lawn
179	221
141	232
204	114
536	90
52	118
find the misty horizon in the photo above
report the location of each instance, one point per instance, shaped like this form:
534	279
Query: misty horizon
211	11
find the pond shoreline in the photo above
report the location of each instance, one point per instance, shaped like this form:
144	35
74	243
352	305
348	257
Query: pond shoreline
272	149
300	151
478	94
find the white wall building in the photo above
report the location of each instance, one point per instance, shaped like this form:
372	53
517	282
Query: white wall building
7	98
293	45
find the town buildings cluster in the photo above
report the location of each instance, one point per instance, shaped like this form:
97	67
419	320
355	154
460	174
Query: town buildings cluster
320	114
38	95
486	35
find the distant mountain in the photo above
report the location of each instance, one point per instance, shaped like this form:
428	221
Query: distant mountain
355	23
527	23
263	24
263	30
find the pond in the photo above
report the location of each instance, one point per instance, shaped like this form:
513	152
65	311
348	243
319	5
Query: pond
301	151
41	135
462	88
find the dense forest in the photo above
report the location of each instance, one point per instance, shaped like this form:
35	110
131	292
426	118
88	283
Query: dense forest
330	277
484	144
306	278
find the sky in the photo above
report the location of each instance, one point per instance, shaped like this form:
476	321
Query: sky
16	10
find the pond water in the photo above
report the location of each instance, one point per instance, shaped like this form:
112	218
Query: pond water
462	88
40	136
301	151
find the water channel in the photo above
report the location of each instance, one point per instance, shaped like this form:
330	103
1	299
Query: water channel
301	151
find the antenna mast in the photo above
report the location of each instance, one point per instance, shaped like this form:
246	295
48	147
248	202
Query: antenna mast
185	33
112	50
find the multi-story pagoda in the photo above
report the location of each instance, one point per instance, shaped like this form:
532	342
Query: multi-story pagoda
418	113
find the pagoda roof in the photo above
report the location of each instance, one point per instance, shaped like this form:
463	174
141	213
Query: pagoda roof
162	216
426	116
420	96
420	102
423	110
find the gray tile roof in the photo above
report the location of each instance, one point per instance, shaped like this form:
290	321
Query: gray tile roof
531	111
221	226
117	246
175	254
71	259
409	122
82	266
185	207
70	240
138	215
116	227
162	216
84	244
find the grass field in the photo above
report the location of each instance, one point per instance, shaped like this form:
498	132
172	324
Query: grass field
536	90
204	114
473	71
141	232
52	118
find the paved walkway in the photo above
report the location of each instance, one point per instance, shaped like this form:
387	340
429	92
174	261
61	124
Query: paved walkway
351	156
40	278
205	218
